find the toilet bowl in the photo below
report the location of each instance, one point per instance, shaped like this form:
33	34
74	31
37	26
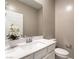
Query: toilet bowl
61	53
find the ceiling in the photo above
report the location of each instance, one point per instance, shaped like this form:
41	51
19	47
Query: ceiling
32	3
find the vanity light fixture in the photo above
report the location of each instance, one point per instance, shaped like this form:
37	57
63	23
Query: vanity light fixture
68	8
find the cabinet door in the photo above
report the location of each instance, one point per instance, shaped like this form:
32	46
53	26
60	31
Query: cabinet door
28	57
46	57
51	48
50	56
40	54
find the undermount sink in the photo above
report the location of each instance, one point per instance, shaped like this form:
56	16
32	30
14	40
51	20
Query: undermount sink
31	45
27	44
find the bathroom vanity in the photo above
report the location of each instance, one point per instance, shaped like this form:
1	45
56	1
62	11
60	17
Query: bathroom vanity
37	49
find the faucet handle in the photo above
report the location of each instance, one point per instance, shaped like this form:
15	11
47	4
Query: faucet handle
27	40
30	39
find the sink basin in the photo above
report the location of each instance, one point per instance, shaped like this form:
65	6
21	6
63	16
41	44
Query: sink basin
27	44
32	45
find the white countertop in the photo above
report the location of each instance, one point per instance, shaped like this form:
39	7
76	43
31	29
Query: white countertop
46	41
25	49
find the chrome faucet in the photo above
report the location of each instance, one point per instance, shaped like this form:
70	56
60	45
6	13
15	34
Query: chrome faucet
29	39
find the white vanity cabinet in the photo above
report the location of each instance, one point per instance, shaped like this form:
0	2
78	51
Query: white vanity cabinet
34	51
28	57
51	55
50	52
40	54
51	47
45	53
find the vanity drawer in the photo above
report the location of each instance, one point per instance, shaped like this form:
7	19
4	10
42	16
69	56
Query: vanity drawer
40	54
51	47
50	55
28	57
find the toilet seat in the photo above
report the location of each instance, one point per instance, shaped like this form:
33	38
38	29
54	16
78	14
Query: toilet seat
61	52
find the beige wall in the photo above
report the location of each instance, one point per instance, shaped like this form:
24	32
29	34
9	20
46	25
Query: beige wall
46	17
52	20
29	17
64	25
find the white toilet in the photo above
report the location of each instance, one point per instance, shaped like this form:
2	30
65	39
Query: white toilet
61	53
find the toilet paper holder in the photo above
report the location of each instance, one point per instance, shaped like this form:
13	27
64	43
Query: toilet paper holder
68	46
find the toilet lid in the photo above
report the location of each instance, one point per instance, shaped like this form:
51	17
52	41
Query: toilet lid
61	51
